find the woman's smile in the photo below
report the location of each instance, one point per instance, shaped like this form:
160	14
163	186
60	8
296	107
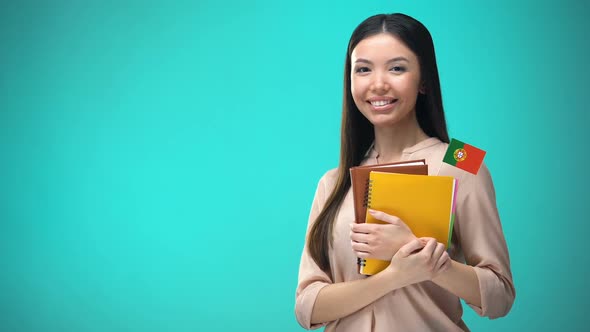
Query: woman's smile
382	104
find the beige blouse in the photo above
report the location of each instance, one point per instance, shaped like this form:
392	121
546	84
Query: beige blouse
477	240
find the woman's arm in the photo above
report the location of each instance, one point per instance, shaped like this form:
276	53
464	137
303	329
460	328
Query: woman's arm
407	267
344	298
380	241
461	280
485	280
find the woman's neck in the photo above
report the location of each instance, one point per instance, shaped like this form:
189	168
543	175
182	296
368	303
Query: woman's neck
390	142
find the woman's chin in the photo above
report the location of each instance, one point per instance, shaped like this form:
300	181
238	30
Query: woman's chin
384	123
390	120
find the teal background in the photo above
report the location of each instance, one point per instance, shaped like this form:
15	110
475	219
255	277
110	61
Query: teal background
159	158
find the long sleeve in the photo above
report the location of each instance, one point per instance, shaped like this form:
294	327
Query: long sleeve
483	244
311	278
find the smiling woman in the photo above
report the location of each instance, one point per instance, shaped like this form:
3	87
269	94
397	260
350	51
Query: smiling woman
393	112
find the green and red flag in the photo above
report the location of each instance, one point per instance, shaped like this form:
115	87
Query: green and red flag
464	156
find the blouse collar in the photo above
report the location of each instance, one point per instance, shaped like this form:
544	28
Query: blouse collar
424	144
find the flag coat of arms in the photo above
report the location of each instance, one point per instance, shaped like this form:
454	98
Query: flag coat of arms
464	156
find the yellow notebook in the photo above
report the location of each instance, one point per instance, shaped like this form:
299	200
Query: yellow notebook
424	202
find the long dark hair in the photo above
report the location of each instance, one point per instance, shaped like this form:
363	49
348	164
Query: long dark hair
357	132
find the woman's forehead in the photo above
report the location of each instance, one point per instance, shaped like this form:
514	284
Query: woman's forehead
383	46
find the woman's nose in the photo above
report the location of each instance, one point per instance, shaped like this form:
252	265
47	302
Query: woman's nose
379	84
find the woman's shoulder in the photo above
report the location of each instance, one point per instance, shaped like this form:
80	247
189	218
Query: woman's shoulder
329	178
468	182
326	184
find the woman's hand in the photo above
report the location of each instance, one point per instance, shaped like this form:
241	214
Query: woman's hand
440	253
419	260
380	241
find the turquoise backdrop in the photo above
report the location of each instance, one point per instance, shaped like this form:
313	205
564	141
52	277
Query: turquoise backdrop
159	158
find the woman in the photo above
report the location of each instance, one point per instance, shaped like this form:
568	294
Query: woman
393	112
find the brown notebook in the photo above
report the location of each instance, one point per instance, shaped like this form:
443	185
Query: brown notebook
359	176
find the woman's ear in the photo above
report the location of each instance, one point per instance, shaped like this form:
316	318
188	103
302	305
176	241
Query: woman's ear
422	88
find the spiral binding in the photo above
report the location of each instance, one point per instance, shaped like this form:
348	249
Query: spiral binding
368	194
367	198
366	203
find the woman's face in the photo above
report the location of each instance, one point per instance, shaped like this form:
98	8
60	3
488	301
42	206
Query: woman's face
385	79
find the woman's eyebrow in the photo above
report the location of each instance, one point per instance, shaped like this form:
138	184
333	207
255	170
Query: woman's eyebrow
363	61
396	59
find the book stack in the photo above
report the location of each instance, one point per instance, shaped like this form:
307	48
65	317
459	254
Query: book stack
426	203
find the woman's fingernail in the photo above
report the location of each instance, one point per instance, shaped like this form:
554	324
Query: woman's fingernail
372	211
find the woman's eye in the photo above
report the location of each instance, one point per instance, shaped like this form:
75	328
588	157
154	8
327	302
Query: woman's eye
362	70
398	69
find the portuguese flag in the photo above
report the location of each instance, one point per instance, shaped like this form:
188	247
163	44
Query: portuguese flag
464	156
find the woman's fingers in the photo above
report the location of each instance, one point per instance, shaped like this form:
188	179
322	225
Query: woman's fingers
425	240
429	248
361	254
445	266
407	249
443	262
438	251
362	227
379	215
360	247
360	237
